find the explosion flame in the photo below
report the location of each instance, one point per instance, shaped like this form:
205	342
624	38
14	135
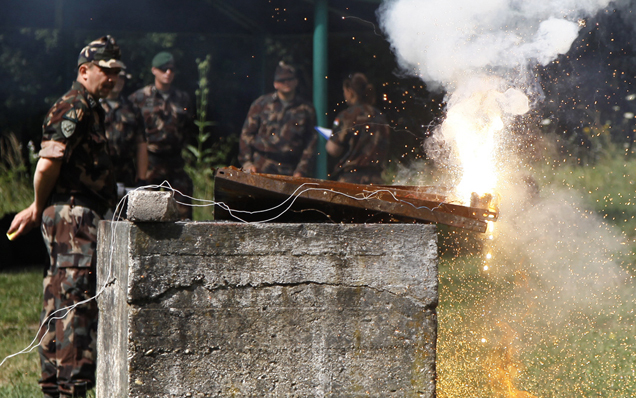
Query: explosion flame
550	270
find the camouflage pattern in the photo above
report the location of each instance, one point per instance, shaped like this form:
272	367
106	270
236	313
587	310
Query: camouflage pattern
169	125
73	132
103	52
278	138
124	130
67	352
364	133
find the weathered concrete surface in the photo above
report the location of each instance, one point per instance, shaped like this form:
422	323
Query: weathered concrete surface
152	206
227	309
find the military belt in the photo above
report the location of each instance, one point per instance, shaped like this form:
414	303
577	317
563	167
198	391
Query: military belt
79	200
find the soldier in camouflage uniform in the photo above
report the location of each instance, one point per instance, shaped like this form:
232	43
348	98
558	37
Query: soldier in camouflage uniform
360	140
126	137
278	136
74	188
169	124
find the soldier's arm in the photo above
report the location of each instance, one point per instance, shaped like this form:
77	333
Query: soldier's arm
142	161
46	173
250	128
142	147
306	165
336	144
59	126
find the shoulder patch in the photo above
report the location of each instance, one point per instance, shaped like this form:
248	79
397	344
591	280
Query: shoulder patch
68	127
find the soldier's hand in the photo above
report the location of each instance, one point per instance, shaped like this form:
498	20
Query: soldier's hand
24	221
249	168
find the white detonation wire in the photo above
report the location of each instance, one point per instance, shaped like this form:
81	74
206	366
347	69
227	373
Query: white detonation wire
290	200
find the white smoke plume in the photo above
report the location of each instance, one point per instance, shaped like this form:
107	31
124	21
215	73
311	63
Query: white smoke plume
482	54
445	42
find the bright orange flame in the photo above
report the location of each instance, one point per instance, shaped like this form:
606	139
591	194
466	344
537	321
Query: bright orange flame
504	369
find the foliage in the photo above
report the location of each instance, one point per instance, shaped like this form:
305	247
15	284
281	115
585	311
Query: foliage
16	191
203	158
607	183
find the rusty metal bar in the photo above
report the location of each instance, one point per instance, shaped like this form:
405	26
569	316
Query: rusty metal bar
248	197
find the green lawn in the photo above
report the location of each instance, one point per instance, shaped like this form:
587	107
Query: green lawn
498	339
20	306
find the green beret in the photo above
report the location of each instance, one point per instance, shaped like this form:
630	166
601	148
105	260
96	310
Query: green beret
161	59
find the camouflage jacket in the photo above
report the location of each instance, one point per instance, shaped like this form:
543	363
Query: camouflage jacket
124	130
279	139
169	123
364	133
73	132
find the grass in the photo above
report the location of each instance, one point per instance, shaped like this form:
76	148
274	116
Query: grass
497	341
16	188
15	191
20	306
607	186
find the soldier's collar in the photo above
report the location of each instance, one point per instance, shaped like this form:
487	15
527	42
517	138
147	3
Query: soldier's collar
291	101
155	90
113	103
92	102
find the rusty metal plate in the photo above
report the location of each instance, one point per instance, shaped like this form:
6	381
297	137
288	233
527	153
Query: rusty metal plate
255	197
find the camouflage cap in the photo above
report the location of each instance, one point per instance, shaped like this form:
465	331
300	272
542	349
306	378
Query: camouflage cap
162	59
103	52
284	72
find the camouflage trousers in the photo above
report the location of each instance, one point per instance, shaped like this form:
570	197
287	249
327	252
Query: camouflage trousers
178	179
68	339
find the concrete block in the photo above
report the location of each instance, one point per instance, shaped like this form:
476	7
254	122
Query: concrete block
294	310
152	206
